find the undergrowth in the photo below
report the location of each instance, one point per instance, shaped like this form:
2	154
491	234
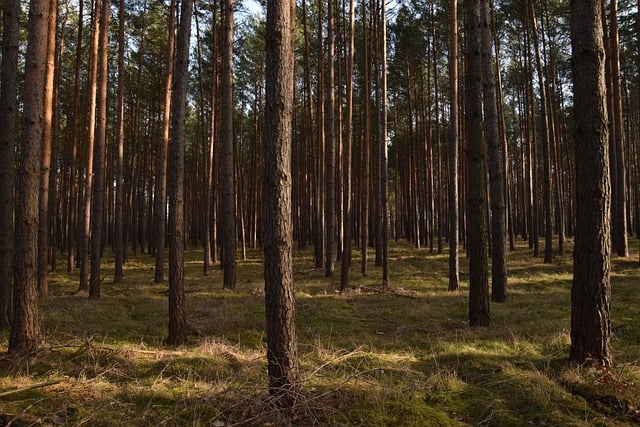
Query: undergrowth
368	356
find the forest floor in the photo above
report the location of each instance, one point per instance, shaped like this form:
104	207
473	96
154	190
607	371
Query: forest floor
368	357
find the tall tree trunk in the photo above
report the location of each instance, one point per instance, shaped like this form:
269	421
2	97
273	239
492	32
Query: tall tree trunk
24	335
177	310
384	156
496	159
8	104
330	145
72	229
97	205
119	241
45	168
454	269
618	205
228	201
85	230
160	200
282	352
366	144
346	156
591	290
546	150
476	202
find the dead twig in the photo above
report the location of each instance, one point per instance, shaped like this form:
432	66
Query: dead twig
29	387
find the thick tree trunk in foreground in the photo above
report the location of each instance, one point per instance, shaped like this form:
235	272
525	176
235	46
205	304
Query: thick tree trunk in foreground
25	327
590	292
8	102
177	312
476	183
282	353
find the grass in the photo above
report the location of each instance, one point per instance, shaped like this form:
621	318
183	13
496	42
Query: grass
367	358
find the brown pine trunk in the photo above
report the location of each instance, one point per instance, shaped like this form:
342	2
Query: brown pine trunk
476	183
282	357
47	134
346	156
97	205
228	201
177	311
24	336
591	290
366	144
85	230
496	158
119	239
8	104
160	200
454	269
330	146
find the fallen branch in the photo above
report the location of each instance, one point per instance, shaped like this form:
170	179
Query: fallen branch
29	387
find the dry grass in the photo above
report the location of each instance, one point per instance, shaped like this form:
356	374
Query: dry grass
367	358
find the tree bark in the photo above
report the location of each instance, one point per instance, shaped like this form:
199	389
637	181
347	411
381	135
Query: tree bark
160	200
496	159
228	201
282	354
590	291
454	269
177	310
24	336
8	105
119	239
479	314
97	205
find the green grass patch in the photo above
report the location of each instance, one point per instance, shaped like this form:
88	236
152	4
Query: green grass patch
368	357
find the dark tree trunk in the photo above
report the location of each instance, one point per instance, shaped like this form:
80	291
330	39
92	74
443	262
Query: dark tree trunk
282	354
160	200
454	270
25	327
590	292
228	201
177	310
476	182
97	205
119	239
8	103
496	165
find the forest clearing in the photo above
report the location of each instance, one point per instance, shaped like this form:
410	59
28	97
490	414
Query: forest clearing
405	356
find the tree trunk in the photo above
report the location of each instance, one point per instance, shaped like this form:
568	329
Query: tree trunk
25	327
228	201
591	290
346	156
496	165
177	310
454	269
119	239
330	146
160	200
8	104
476	202
282	357
85	231
45	168
97	205
618	205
